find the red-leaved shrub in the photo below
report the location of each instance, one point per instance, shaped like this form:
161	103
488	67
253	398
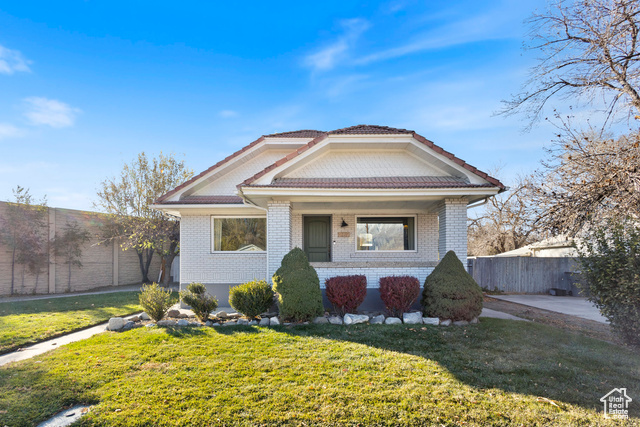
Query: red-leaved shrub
346	293
398	293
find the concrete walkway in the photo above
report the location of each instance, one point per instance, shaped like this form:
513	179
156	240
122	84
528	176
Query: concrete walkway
43	347
573	306
98	291
487	312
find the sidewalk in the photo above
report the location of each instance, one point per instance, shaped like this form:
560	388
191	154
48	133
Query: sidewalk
97	291
52	344
573	306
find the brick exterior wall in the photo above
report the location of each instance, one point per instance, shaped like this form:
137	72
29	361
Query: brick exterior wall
278	234
102	265
351	163
452	216
199	264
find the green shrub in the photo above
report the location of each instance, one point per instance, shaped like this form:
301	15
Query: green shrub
610	262
156	301
450	292
251	298
297	288
199	300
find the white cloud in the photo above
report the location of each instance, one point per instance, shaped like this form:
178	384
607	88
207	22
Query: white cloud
12	61
9	131
328	57
50	112
228	114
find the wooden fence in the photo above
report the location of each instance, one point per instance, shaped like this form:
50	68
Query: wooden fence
530	275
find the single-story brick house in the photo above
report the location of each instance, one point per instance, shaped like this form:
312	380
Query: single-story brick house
369	200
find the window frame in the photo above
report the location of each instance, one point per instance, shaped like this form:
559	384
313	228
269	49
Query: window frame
403	251
212	228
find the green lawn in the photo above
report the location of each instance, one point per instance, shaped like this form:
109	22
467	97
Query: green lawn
28	322
494	373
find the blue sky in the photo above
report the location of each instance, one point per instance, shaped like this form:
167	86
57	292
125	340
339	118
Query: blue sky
87	85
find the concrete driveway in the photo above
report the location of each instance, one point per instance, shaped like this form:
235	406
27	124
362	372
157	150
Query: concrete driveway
573	306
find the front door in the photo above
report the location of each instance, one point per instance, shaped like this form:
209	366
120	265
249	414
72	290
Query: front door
317	238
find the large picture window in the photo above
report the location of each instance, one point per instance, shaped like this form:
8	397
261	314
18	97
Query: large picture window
239	234
386	234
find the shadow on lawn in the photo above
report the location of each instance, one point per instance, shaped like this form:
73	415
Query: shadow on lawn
517	357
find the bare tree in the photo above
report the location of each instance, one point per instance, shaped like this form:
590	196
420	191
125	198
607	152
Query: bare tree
587	48
132	222
21	230
587	179
506	223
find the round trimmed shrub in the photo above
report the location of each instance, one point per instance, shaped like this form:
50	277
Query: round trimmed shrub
450	292
199	300
346	293
297	288
398	293
251	298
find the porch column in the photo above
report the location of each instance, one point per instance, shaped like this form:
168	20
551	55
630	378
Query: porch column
452	227
278	234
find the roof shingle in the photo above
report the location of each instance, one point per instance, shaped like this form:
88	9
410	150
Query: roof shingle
388	182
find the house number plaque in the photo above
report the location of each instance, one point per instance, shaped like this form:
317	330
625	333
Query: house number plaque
343	234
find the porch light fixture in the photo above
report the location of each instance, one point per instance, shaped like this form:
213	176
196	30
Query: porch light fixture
344	224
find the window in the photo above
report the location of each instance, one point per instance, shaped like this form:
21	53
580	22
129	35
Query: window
239	234
386	234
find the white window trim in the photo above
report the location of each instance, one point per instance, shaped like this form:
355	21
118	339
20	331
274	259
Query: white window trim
415	234
212	228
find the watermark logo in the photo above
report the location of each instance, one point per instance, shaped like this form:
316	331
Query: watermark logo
616	403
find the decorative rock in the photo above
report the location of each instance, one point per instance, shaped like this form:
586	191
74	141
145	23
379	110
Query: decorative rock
173	313
392	321
196	324
377	320
253	323
144	316
216	324
412	318
182	316
129	325
461	323
208	323
274	321
287	323
183	322
335	320
116	323
445	322
222	314
243	322
431	321
474	321
321	320
230	323
191	316
150	325
135	318
352	319
264	321
167	322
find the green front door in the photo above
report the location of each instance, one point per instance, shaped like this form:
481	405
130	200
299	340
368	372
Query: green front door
317	238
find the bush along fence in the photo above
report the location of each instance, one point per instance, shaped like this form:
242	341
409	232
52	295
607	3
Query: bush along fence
59	266
450	296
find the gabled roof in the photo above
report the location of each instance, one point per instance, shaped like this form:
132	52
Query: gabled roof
206	200
369	130
306	133
375	130
319	136
387	182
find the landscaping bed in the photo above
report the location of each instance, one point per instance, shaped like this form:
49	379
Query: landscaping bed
497	372
27	322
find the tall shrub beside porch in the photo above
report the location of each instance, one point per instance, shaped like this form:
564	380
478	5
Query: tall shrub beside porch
297	288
